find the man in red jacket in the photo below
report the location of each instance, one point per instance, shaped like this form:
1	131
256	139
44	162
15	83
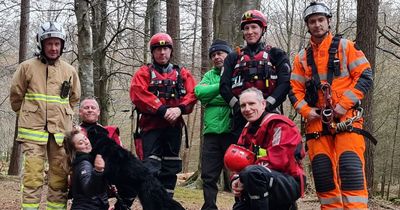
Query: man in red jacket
162	92
275	180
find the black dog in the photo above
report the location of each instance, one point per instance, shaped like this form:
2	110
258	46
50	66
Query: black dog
128	173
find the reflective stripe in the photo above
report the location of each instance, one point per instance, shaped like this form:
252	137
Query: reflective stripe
357	63
300	105
30	206
277	136
171	158
271	180
232	102
343	42
47	98
33	135
169	191
59	137
298	78
41	136
271	100
55	206
303	59
256	197
325	201
155	157
349	94
355	199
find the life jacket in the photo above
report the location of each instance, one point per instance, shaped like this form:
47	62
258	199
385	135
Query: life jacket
260	141
255	72
168	87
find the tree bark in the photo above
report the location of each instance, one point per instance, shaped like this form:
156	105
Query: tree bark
153	6
85	47
393	149
15	161
99	25
226	19
173	29
367	24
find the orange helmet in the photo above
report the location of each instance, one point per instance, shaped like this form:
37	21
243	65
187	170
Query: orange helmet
253	16
160	40
237	158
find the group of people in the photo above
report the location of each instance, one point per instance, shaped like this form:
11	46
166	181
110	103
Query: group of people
244	129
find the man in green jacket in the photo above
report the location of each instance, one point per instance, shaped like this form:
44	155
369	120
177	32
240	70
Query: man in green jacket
217	122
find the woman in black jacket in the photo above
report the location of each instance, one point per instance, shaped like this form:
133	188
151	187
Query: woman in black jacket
89	186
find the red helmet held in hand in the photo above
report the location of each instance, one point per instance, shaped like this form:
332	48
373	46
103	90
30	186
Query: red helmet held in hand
160	40
253	16
237	158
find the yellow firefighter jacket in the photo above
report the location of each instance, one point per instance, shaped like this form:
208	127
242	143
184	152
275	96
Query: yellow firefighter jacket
35	95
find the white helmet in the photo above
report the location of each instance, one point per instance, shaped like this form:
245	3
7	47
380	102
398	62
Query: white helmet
48	30
316	8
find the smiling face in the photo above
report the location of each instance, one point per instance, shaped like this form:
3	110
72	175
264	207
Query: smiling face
52	48
89	111
81	143
252	32
318	26
251	106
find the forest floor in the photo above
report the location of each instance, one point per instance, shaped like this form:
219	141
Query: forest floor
191	199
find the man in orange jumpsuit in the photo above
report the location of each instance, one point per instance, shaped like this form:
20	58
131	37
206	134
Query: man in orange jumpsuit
329	79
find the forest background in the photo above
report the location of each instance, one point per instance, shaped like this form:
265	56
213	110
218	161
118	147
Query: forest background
107	41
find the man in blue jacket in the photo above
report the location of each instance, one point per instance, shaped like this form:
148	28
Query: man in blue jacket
217	121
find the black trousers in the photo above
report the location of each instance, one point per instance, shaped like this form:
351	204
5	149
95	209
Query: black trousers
161	154
267	190
212	163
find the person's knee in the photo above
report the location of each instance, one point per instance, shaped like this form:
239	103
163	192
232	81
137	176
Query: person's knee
351	171
323	173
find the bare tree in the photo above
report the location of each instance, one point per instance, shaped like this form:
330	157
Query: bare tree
85	47
99	26
393	149
15	161
367	24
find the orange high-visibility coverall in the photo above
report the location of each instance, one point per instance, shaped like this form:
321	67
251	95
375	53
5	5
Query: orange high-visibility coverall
337	160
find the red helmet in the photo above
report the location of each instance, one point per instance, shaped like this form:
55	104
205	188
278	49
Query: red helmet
253	16
160	40
237	158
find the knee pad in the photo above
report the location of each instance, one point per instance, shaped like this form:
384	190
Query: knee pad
351	171
322	173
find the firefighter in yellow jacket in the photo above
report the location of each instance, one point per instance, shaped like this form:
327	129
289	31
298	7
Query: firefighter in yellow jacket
329	79
44	91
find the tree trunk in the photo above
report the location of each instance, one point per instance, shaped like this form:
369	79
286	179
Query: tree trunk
173	28
85	47
15	161
393	150
337	17
99	25
367	23
226	19
193	116
153	6
206	33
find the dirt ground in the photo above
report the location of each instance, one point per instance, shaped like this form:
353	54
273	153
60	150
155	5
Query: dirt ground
191	199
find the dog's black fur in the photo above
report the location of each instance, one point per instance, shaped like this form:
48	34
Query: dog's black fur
128	173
